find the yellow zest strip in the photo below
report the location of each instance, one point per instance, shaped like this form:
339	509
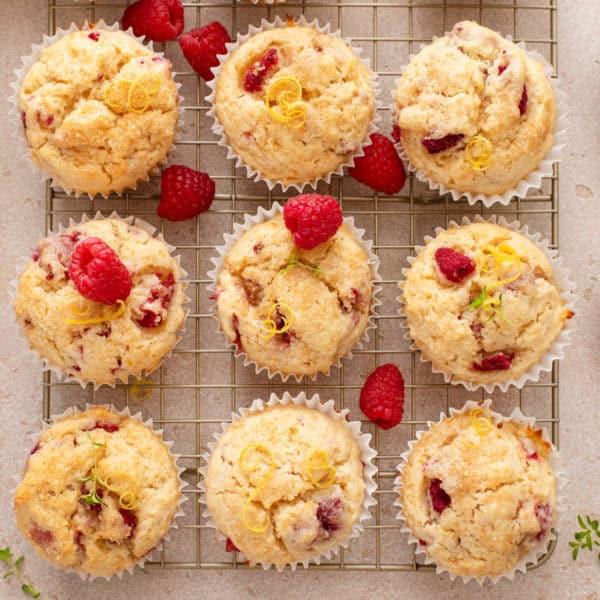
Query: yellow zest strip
248	467
495	258
286	93
134	86
269	324
141	388
93	320
481	421
127	488
478	153
318	460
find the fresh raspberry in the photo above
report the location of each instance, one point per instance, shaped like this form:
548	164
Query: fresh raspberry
380	168
157	20
439	499
523	101
94	36
435	146
396	133
382	396
230	546
500	362
255	75
184	193
98	273
312	219
454	265
330	513
202	45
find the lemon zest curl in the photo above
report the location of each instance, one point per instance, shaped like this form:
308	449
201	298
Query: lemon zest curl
496	258
135	88
286	93
269	324
94	320
318	460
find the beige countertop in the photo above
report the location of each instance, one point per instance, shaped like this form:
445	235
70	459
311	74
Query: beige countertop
22	219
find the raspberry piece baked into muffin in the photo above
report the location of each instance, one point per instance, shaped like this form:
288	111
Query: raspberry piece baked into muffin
292	310
295	104
479	493
482	303
285	484
476	112
99	111
99	492
101	301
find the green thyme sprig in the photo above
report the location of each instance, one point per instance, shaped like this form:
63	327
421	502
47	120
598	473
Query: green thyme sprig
588	538
490	304
14	570
92	496
296	262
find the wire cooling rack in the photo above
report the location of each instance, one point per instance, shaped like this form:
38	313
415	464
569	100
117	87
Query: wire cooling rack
203	382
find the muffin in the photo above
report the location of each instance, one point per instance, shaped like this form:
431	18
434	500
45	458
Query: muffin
294	104
99	491
99	111
482	303
89	340
285	484
476	112
290	310
479	493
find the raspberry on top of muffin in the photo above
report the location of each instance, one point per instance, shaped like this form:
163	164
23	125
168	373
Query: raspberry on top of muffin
102	300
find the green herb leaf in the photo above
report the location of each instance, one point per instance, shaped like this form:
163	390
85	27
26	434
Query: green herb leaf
7	575
19	562
29	590
479	300
581	522
575	552
5	554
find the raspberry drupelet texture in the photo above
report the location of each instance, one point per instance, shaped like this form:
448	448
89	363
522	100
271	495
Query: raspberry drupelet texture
202	45
312	219
382	396
455	266
157	20
98	273
184	193
380	168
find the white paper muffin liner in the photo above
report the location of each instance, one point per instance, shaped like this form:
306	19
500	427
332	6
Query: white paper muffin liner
22	263
367	455
532	557
261	216
533	179
33	439
219	130
14	115
567	295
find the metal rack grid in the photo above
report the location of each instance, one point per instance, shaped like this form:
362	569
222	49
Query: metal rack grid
198	387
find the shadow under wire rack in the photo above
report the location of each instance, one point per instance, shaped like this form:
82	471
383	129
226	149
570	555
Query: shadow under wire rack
199	386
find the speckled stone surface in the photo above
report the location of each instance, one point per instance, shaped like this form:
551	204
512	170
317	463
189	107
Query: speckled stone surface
22	221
